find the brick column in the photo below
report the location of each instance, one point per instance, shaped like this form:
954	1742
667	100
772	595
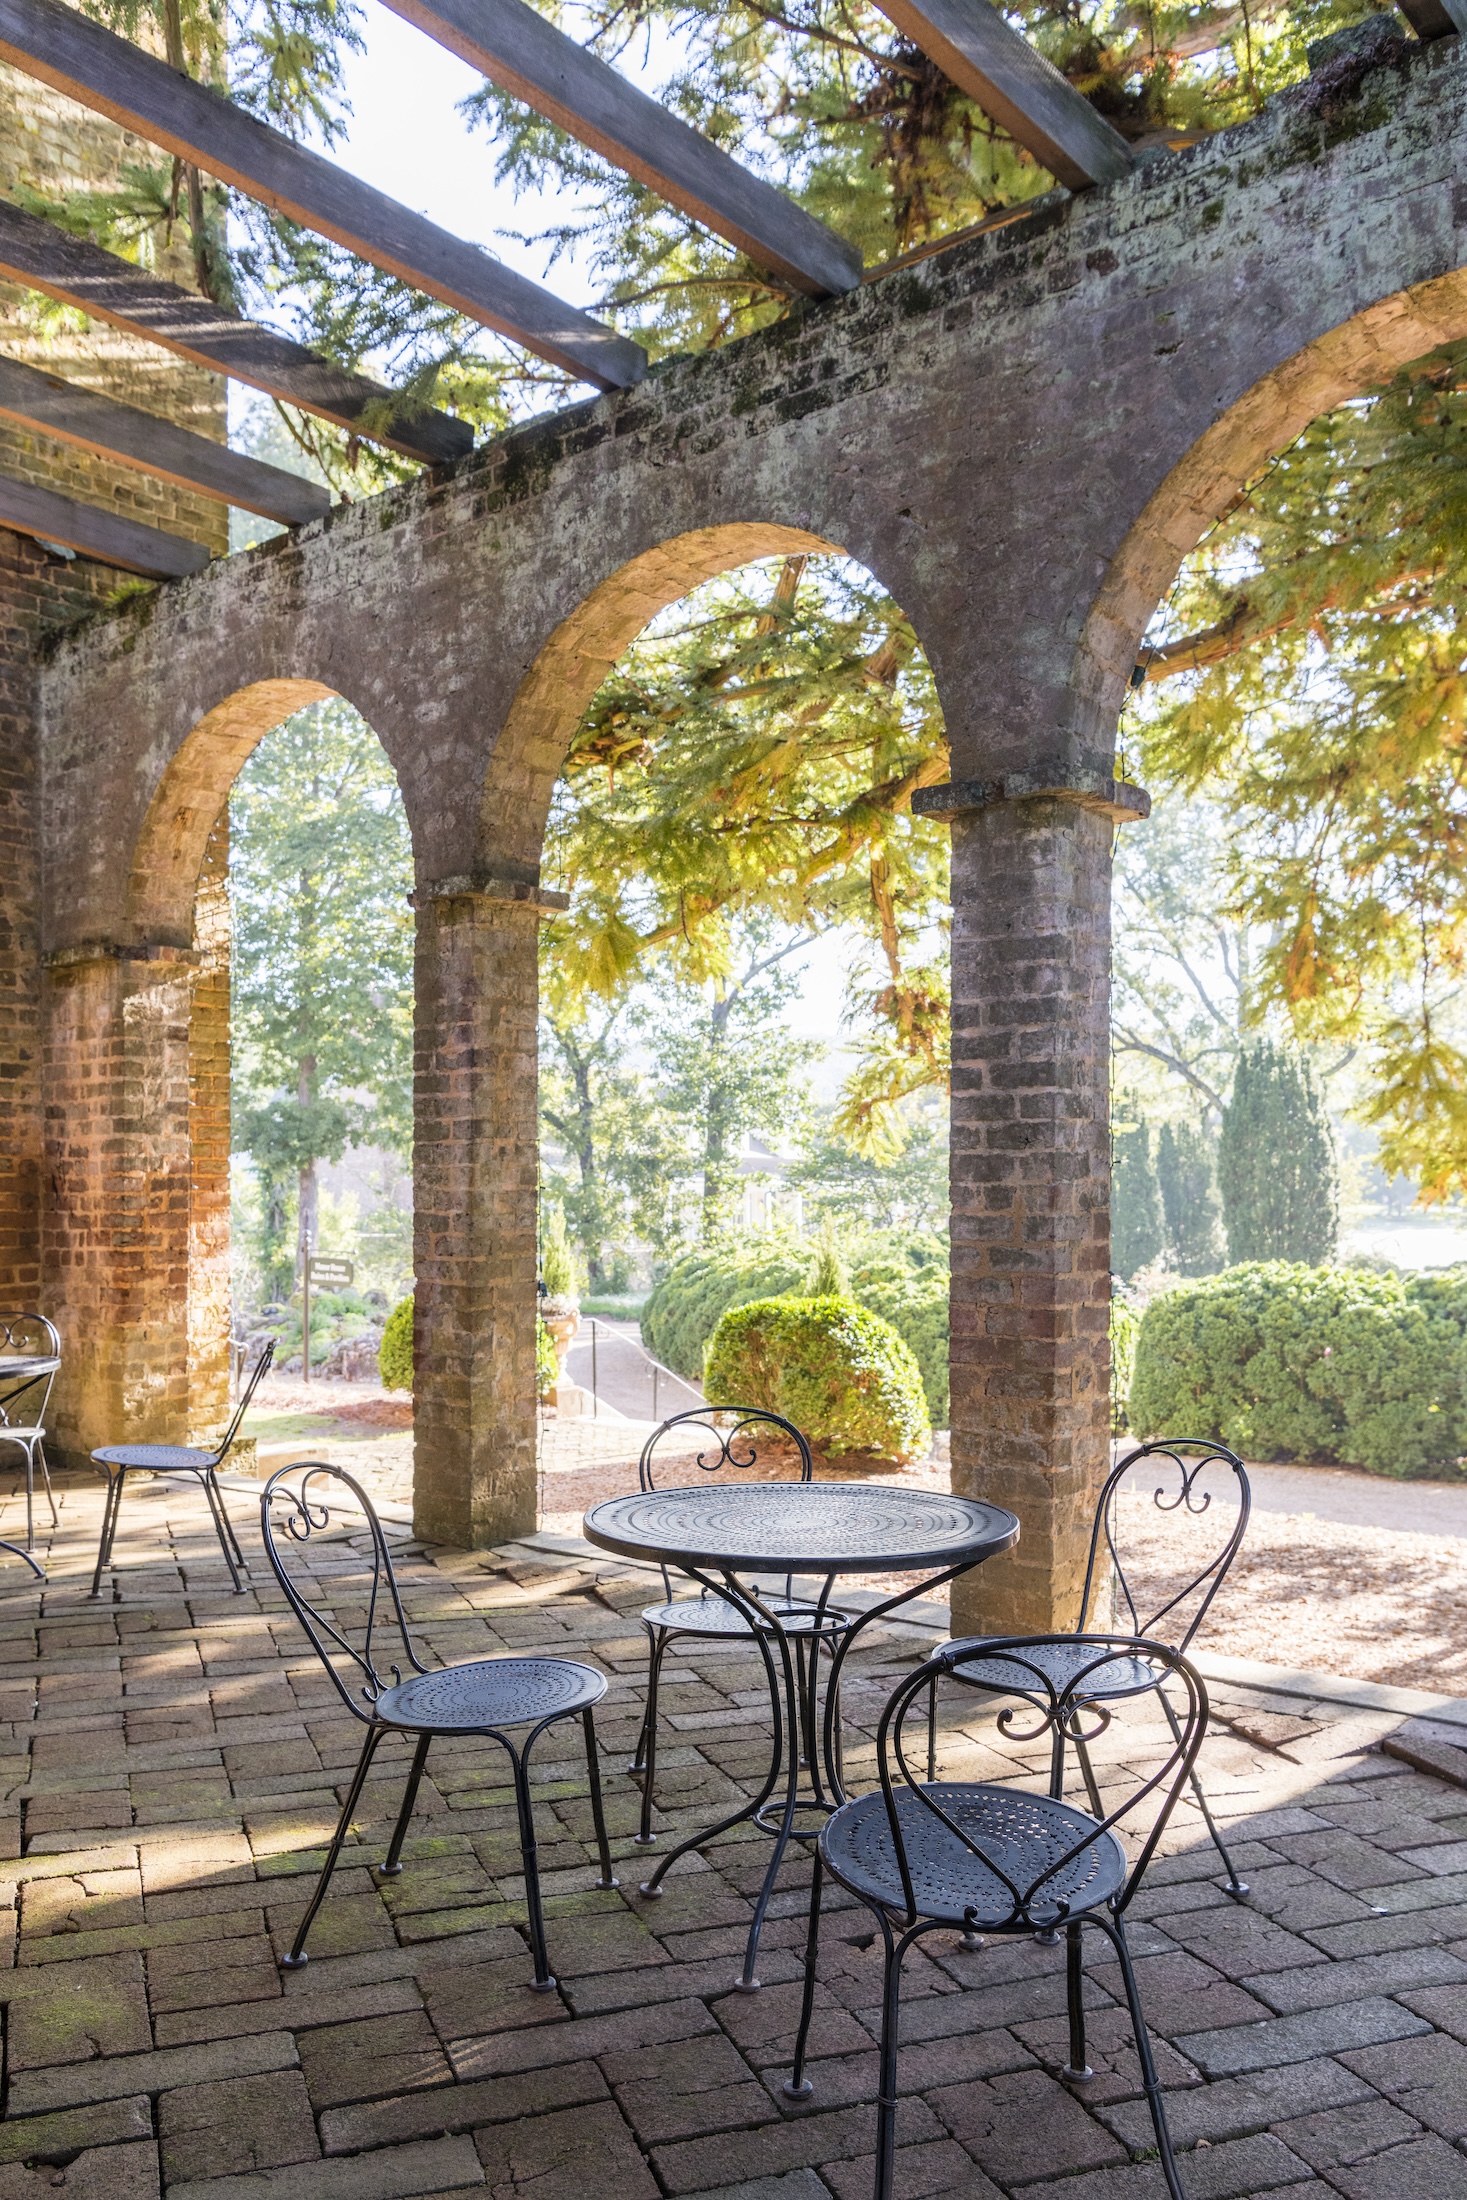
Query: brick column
1030	1193
475	1177
115	1244
208	1080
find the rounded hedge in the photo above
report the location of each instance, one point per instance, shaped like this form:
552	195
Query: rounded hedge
838	1371
1283	1361
395	1354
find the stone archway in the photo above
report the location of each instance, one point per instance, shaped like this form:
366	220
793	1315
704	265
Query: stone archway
1022	436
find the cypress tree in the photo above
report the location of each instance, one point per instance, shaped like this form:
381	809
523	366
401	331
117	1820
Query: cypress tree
1187	1177
1276	1162
1137	1227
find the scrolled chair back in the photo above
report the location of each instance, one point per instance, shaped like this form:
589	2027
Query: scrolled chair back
734	1445
28	1336
1181	1463
1033	1879
290	1516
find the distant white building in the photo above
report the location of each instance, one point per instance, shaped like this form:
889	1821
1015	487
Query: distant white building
766	1199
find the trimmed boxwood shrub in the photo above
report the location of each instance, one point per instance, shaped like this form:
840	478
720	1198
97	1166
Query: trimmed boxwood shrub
916	1307
395	1354
684	1310
1283	1361
905	1281
839	1372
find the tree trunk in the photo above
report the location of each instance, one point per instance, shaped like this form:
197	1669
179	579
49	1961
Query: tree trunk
720	1166
309	1200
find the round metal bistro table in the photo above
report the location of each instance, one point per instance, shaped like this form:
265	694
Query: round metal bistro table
729	1538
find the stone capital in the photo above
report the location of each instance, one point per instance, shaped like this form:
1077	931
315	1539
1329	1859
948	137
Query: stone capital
1116	799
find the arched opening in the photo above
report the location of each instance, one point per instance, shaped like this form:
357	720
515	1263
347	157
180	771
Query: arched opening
744	1008
317	953
1288	1024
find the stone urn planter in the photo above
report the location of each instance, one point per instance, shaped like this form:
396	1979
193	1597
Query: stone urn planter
562	1317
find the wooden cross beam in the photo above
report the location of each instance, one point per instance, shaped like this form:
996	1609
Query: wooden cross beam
514	46
43	257
52	517
95	423
48	40
1011	80
1435	18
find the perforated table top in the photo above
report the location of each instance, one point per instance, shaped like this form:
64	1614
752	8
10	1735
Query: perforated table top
802	1527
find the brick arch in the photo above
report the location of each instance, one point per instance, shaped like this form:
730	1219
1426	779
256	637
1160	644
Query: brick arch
583	649
170	848
1345	362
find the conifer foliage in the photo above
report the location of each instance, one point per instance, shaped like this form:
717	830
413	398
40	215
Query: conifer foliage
1186	1176
1137	1224
1276	1162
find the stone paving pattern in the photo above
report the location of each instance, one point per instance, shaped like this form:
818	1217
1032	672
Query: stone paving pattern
174	1760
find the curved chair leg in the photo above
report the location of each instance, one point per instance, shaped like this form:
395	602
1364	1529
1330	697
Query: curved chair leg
1236	1887
239	1558
797	2085
543	1982
298	1955
392	1864
116	1476
1115	1932
647	1747
1078	2069
598	1815
30	1497
932	1731
639	1754
223	1530
886	2091
46	1477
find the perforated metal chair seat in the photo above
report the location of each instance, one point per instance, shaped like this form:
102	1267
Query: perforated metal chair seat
1059	1662
718	1619
160	1458
1023	1833
491	1693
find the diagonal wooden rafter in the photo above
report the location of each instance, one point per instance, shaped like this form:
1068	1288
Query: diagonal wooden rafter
517	49
1010	80
48	40
1431	19
100	424
51	517
97	283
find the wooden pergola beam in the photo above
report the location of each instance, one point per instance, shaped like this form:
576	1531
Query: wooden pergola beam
1010	80
517	49
52	517
1431	19
45	258
50	41
100	424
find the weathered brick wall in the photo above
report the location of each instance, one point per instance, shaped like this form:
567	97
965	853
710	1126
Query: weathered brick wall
1021	438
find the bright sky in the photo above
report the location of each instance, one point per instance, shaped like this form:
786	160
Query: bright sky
408	139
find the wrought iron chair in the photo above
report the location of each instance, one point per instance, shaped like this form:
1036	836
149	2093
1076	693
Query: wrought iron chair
482	1696
117	1461
712	1618
1176	1621
30	1356
983	1859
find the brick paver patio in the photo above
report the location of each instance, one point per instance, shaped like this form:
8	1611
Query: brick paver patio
173	1764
